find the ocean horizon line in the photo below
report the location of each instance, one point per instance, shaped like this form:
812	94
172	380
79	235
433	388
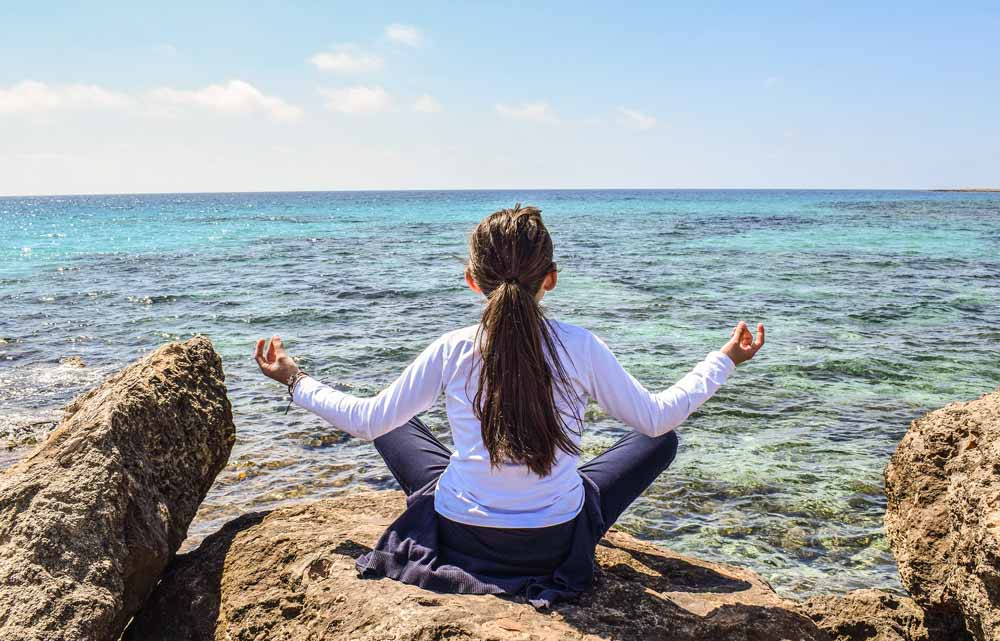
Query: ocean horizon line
968	190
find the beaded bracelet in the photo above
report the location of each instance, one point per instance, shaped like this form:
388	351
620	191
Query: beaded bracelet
292	382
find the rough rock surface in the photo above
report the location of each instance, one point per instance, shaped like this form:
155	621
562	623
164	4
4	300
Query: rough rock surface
290	575
73	361
943	514
89	521
874	615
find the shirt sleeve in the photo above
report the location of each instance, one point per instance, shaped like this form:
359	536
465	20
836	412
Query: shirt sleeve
413	392
623	397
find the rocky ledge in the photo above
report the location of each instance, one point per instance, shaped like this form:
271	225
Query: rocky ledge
289	574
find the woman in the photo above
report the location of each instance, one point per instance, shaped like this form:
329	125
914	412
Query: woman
509	511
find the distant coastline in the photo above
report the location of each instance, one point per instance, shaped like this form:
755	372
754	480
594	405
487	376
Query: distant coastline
973	189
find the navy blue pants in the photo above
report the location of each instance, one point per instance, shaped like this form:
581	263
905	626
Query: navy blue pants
622	472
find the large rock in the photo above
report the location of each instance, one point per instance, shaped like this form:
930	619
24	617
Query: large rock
290	575
89	521
875	615
943	514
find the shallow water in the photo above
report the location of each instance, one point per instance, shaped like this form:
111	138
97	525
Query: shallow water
879	306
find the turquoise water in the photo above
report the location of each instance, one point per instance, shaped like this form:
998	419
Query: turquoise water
879	306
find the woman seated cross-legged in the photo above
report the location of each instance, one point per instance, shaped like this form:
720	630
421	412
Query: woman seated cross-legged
510	510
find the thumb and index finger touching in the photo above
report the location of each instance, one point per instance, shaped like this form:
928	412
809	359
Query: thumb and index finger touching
741	334
745	339
273	350
749	342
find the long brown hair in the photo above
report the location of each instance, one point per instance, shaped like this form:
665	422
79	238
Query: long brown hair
510	254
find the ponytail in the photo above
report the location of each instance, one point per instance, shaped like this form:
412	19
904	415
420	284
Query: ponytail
510	255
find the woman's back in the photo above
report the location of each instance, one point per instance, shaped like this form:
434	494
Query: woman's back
473	491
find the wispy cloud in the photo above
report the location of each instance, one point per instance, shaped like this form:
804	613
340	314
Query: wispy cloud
357	100
404	34
636	119
772	81
346	59
234	97
32	97
426	104
531	111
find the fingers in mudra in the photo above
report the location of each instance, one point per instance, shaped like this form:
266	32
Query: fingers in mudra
743	345
272	359
265	354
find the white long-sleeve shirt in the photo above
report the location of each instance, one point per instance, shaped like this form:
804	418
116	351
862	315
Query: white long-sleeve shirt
470	490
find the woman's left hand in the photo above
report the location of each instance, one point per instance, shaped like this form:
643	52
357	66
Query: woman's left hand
274	362
742	345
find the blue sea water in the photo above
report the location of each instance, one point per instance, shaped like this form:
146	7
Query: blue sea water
879	307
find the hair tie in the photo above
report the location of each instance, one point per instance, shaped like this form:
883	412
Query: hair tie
511	281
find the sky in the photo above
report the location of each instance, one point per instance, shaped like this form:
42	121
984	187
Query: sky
123	97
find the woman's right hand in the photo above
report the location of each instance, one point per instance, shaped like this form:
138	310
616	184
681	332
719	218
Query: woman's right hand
743	346
274	362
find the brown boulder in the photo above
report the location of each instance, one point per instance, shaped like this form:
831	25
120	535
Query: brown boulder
290	575
874	615
89	521
943	514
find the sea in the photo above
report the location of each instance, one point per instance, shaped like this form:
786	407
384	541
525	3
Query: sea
879	307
